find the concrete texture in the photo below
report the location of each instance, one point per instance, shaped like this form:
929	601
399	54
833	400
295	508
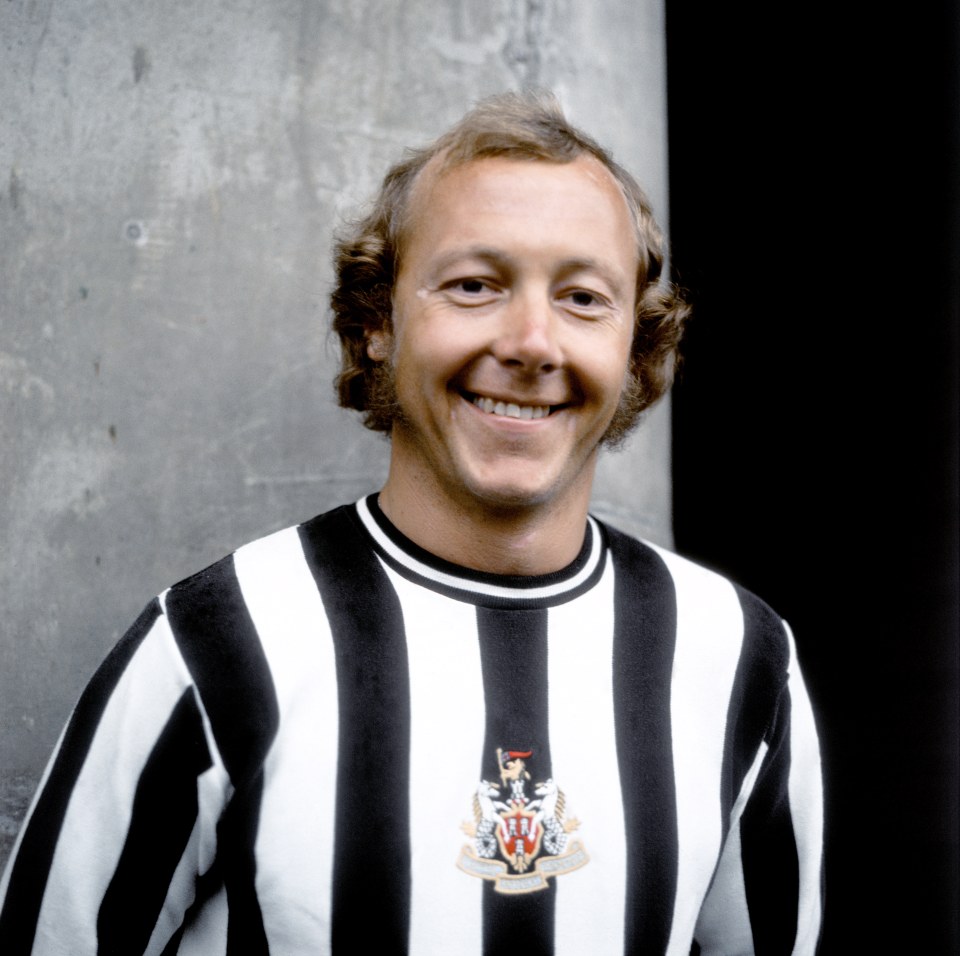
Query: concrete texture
170	175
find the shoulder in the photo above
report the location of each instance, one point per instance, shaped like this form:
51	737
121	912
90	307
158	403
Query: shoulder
272	556
232	622
704	601
216	612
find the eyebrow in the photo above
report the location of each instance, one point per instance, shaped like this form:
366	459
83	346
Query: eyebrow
487	254
502	260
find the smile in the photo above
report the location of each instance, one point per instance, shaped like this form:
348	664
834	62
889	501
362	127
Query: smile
509	409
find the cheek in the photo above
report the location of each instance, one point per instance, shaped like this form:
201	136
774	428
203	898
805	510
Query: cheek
423	369
613	379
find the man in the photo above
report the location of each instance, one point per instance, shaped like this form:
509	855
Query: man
461	716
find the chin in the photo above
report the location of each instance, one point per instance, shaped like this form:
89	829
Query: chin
513	496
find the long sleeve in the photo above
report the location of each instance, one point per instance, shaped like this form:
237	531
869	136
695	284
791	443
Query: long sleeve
125	818
766	896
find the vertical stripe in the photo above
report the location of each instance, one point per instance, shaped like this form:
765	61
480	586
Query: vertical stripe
447	727
371	869
199	877
220	645
724	927
34	854
583	745
770	863
513	656
285	606
806	808
185	884
645	620
709	639
217	638
164	815
725	922
760	676
237	833
753	903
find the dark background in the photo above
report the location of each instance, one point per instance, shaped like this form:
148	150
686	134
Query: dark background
814	214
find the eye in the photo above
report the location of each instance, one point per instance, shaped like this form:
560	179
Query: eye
471	290
585	300
471	286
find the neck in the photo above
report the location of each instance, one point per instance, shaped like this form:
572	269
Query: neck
500	539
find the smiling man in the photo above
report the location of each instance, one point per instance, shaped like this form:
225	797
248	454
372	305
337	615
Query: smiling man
460	716
513	315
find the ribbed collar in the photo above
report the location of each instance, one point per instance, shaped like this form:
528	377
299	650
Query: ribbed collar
480	587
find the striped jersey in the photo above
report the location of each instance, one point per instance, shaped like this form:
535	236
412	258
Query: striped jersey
333	741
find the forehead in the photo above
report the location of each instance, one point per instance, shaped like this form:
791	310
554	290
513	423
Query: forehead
513	197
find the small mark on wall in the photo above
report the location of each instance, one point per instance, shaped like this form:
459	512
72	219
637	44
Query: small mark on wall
135	231
141	64
112	431
84	292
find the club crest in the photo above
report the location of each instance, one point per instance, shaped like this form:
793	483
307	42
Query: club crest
519	840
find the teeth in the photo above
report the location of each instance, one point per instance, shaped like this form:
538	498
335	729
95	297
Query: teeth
511	409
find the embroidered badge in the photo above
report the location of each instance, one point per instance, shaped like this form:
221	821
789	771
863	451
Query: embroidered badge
519	841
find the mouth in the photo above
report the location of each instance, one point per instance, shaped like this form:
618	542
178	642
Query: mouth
493	406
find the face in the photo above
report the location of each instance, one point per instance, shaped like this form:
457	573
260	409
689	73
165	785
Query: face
512	325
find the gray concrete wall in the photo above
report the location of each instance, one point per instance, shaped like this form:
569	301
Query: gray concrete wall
171	174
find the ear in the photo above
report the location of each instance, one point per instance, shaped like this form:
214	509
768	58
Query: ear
378	345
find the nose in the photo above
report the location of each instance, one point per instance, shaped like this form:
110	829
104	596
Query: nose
528	339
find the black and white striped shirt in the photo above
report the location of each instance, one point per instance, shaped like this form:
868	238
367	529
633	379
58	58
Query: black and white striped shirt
333	741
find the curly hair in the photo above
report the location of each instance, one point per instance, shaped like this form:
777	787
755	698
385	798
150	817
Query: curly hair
523	126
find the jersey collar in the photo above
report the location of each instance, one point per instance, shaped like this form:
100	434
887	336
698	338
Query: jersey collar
479	587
